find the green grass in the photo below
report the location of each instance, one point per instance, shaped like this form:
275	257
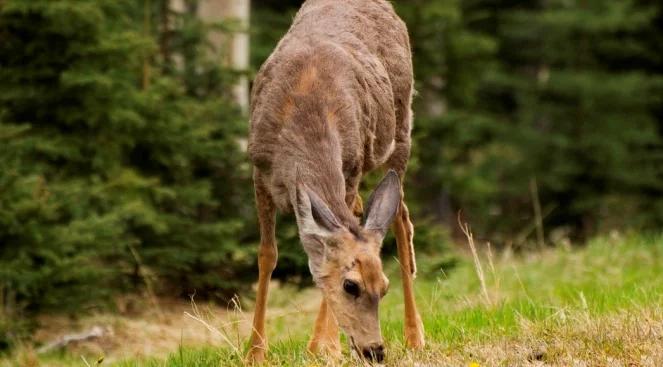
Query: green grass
595	305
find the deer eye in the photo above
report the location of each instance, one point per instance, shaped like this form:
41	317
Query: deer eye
351	287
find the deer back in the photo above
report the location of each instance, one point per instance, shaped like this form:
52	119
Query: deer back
331	99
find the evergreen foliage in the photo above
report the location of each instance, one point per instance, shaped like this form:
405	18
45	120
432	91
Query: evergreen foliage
584	89
111	178
121	160
563	97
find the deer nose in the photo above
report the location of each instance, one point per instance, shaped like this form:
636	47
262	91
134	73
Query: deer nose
374	352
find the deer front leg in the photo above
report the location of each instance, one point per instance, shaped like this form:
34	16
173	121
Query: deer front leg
325	339
403	229
266	263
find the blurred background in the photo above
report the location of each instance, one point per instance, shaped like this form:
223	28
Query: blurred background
123	129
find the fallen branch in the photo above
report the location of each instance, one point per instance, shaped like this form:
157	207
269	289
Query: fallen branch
94	333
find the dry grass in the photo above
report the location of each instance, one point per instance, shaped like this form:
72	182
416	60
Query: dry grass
623	339
598	306
140	332
140	335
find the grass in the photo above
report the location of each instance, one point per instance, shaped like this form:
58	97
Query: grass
600	305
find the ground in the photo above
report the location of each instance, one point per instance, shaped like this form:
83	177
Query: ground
596	305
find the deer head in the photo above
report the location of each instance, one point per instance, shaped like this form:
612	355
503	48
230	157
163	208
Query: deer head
345	261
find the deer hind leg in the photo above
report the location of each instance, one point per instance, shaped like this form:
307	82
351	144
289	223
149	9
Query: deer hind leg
352	197
325	339
357	206
266	263
404	232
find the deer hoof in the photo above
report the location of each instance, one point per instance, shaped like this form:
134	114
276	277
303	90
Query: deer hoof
414	338
255	356
415	342
327	348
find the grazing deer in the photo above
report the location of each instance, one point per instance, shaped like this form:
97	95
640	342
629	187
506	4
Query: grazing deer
331	103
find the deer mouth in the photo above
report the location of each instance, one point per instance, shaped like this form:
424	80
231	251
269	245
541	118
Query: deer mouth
372	357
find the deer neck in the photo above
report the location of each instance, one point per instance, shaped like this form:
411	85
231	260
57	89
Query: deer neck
313	149
323	175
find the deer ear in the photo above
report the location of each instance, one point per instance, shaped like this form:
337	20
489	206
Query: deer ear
383	204
313	215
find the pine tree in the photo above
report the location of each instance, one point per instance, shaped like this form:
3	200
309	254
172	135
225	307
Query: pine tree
556	95
115	166
457	144
584	95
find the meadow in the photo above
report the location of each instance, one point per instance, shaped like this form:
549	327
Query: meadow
599	305
125	185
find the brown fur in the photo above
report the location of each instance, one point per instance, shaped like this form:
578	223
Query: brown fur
325	333
331	103
344	58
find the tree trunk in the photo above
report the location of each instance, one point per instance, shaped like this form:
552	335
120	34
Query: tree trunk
238	44
233	50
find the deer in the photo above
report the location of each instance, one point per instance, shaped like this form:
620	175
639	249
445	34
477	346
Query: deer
330	104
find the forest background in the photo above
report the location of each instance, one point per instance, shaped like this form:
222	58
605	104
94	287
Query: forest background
122	141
